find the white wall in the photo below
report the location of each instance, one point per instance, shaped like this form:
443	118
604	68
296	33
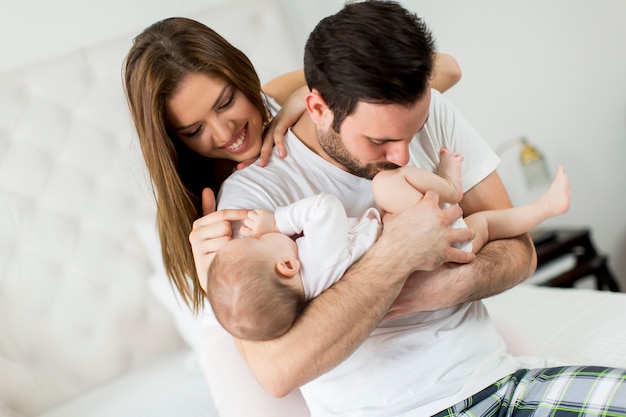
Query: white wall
33	30
553	71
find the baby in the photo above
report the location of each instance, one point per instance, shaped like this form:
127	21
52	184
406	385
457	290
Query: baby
258	284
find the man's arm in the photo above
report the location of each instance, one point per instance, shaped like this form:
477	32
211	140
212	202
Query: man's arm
500	265
335	323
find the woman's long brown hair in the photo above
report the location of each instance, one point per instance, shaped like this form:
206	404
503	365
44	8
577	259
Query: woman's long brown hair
159	59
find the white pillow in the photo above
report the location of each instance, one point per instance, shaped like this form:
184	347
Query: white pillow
187	324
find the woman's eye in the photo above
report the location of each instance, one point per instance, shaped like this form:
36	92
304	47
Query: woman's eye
193	133
228	102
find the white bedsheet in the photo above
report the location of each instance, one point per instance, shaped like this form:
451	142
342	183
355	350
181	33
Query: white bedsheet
171	386
542	326
566	326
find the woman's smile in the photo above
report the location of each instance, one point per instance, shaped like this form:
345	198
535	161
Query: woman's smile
239	143
205	111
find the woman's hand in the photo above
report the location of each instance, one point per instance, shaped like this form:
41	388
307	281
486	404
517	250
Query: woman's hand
288	115
210	232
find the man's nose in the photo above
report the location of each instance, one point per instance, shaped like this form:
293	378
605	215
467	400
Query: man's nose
398	153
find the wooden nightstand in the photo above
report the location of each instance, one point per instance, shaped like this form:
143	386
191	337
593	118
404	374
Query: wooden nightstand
552	244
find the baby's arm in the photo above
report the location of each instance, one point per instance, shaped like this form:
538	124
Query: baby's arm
259	222
293	218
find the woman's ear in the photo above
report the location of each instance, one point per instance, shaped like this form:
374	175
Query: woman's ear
288	268
320	114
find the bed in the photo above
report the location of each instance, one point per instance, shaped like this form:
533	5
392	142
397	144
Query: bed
88	323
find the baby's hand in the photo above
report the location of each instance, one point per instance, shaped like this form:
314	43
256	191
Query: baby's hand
258	222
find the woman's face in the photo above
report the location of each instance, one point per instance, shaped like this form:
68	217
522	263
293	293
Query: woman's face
214	118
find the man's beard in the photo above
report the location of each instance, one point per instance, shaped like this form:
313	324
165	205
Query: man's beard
331	143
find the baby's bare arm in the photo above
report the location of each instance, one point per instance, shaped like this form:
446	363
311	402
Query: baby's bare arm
259	222
396	190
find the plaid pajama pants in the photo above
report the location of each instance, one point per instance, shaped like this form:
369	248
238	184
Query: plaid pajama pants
555	392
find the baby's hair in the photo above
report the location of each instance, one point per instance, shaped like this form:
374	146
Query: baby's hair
247	297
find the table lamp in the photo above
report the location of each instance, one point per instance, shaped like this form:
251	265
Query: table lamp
533	163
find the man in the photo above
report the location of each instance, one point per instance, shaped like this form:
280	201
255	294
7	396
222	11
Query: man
371	108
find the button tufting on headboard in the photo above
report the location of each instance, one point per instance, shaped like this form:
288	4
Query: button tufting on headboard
75	310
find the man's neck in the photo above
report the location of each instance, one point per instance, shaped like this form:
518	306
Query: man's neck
304	129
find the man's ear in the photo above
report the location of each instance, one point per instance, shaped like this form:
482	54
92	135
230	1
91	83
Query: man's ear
288	268
318	109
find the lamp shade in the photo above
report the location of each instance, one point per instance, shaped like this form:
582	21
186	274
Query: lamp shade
534	166
533	163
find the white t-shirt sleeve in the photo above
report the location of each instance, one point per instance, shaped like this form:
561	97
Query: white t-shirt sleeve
446	127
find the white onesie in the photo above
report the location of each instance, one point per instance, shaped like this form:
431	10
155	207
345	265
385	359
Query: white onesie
331	240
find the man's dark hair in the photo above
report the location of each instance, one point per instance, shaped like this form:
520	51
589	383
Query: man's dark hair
372	51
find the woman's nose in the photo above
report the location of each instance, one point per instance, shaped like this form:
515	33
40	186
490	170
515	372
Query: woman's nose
221	132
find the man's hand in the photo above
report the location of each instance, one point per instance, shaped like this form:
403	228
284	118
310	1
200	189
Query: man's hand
499	265
421	237
210	233
453	283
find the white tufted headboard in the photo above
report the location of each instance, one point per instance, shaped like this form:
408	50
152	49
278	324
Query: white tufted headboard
73	301
75	310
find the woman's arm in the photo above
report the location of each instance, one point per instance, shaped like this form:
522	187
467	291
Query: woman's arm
281	87
446	73
500	265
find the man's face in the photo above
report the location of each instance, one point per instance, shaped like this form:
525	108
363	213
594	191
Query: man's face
375	137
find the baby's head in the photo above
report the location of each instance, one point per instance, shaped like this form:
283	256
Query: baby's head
250	288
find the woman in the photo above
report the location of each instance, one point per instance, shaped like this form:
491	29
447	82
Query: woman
199	109
172	57
158	64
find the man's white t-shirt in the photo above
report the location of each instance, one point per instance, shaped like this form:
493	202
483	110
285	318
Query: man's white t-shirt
416	365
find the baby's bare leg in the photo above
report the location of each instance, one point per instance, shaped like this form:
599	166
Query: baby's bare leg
479	224
500	224
557	198
450	170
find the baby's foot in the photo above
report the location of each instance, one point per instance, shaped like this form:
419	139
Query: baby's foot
559	194
450	169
